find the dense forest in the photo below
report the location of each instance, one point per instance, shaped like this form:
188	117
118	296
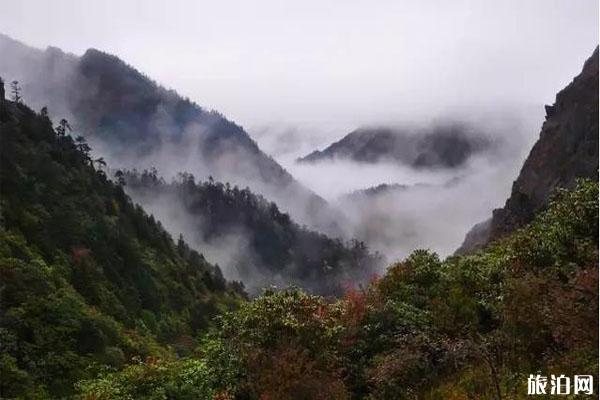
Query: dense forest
273	249
98	302
469	327
88	279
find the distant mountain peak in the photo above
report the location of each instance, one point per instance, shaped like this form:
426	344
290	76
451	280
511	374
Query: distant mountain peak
442	146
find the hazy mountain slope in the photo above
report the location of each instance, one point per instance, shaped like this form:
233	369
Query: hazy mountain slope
250	238
133	122
567	149
460	328
387	188
88	279
441	146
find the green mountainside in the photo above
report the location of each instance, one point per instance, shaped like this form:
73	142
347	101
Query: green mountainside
88	279
98	302
469	327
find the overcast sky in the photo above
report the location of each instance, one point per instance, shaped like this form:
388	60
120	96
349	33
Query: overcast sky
328	63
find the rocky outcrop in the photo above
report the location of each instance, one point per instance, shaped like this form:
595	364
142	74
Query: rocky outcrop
476	238
567	149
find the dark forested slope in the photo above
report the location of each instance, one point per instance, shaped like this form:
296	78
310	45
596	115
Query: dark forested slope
262	245
469	327
134	122
567	149
87	277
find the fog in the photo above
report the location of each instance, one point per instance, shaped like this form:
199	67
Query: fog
439	205
434	212
301	76
231	252
336	64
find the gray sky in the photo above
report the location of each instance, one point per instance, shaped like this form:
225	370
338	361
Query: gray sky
337	64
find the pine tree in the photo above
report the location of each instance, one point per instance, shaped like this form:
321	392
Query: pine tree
16	91
63	126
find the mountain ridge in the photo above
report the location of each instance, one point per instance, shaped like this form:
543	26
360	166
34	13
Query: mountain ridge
89	280
441	146
567	149
127	116
252	240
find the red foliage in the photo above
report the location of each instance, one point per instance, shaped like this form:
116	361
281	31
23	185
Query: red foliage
186	341
355	302
78	253
289	372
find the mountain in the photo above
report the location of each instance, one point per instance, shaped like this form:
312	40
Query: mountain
460	328
566	150
89	281
380	189
442	146
391	188
250	238
135	123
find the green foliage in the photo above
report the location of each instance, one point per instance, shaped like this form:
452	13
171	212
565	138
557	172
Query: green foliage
88	279
467	327
95	291
280	345
527	303
152	380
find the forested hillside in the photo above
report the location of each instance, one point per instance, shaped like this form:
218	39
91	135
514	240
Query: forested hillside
134	122
88	279
99	302
470	327
263	246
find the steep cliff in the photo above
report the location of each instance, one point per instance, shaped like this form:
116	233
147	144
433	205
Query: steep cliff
567	149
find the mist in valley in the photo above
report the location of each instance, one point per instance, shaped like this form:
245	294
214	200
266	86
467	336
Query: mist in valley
310	95
436	206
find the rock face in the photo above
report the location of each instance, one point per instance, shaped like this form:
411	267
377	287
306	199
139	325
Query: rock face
476	238
442	146
567	149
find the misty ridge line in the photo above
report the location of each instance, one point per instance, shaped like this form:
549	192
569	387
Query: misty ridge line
141	126
175	137
130	118
446	144
313	231
249	238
